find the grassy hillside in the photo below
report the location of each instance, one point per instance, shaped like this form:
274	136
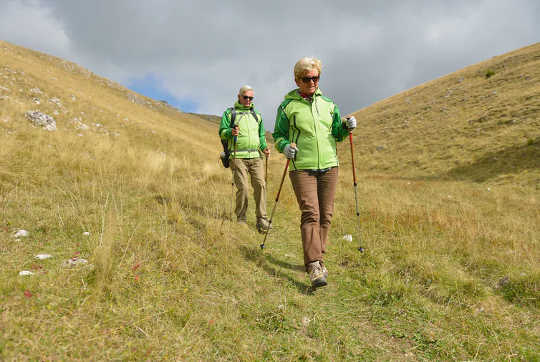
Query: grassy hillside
450	268
479	124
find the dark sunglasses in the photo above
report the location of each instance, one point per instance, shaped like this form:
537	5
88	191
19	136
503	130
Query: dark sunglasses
246	98
308	79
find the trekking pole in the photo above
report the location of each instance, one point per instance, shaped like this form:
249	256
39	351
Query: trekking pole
354	175
360	248
266	170
277	199
232	181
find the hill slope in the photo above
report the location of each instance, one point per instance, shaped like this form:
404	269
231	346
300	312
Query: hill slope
481	123
131	203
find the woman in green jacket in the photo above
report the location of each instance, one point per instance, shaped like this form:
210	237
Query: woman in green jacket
308	125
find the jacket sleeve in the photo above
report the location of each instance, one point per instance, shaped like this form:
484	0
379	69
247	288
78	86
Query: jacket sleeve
262	134
339	129
224	127
281	130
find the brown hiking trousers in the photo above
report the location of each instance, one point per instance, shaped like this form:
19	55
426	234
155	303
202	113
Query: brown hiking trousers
241	168
315	194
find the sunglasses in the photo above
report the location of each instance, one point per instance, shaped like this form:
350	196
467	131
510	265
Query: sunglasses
246	98
309	79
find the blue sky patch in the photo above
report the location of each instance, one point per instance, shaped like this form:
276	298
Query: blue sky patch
152	86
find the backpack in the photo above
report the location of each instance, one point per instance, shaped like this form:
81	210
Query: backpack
225	155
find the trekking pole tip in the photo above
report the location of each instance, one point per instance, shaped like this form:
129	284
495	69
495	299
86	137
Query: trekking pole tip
262	246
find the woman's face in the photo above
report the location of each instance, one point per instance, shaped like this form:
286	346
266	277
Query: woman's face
309	82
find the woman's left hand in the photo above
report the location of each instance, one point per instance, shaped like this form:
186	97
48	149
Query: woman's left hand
350	122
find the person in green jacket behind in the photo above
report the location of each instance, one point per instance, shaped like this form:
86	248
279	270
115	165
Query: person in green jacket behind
246	154
307	127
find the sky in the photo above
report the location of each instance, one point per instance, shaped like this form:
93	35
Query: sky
197	54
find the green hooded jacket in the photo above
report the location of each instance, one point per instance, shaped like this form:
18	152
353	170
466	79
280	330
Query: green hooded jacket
251	137
314	126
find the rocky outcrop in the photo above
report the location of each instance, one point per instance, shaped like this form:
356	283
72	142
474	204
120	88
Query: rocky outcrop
40	119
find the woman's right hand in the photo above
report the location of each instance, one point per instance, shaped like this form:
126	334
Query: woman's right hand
290	151
234	131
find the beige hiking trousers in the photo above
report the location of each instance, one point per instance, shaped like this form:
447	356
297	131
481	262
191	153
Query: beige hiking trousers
315	193
241	168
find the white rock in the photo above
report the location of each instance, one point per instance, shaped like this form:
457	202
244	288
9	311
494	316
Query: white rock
42	120
43	256
4	89
25	272
74	262
77	121
21	234
36	91
56	101
86	233
347	237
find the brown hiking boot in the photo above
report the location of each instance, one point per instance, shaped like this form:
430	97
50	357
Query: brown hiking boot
324	270
316	274
263	225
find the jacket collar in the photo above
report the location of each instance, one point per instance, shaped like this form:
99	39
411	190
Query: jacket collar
240	106
295	94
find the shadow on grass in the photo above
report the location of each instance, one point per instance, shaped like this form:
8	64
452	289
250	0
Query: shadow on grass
513	159
263	261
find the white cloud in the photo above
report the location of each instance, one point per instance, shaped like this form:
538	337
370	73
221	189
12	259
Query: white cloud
206	50
28	24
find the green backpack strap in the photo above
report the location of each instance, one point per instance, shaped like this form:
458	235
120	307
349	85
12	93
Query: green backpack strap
254	114
233	116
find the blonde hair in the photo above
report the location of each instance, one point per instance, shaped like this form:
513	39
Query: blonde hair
244	89
305	65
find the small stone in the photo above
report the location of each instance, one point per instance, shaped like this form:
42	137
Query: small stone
347	237
56	101
25	273
21	234
43	256
74	262
86	233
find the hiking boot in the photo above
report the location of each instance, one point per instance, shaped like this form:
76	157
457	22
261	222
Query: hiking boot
316	275
263	225
324	270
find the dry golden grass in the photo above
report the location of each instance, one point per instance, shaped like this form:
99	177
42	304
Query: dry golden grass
461	126
450	268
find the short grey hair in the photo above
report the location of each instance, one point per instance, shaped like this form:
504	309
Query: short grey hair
244	89
305	65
